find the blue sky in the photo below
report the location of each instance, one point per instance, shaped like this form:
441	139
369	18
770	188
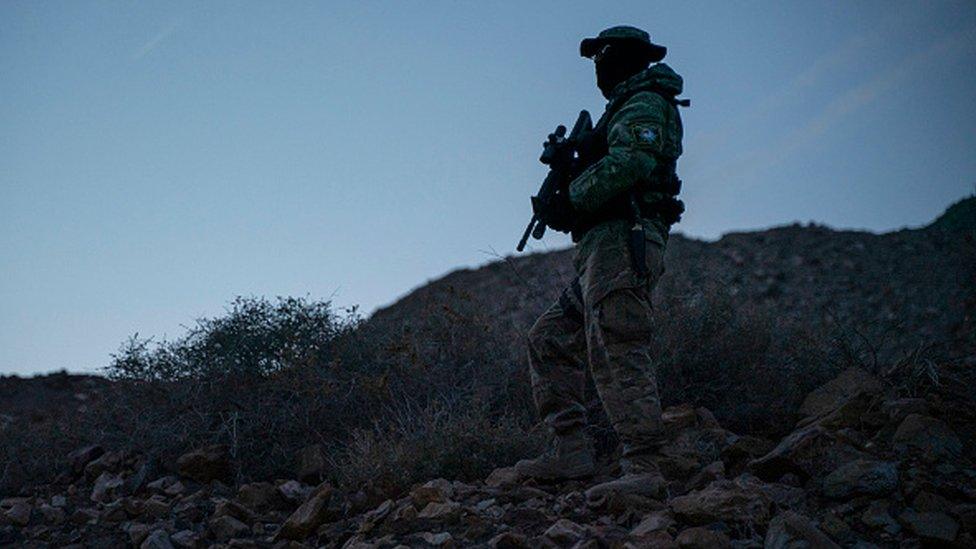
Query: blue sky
159	158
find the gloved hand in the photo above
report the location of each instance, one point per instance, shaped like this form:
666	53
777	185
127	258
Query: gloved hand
557	213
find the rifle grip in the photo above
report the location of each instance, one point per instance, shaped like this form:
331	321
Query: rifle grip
539	231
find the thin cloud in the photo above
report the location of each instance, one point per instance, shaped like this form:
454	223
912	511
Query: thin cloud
845	54
846	104
155	41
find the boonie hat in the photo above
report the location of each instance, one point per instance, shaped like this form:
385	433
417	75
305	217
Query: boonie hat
632	35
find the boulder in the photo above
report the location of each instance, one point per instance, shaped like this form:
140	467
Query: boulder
226	527
52	515
503	476
931	526
19	513
309	516
831	395
107	462
509	540
156	507
790	530
83	516
184	538
205	464
440	539
658	520
709	473
138	532
854	413
565	532
114	512
699	537
877	516
811	451
443	511
898	408
149	468
106	487
293	491
375	516
744	449
722	500
782	496
159	485
258	495
159	539
861	477
81	457
927	435
229	508
634	487
175	489
438	490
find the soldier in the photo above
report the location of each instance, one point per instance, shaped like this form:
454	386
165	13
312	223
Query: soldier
604	317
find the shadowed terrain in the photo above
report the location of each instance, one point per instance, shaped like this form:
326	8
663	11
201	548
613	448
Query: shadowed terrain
818	385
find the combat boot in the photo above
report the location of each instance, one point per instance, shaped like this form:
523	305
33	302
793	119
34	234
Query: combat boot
570	457
640	476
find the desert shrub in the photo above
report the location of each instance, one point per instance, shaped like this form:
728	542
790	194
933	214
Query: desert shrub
255	337
750	367
33	453
269	378
453	441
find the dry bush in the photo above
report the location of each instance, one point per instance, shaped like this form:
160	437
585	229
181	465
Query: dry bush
444	394
33	453
748	366
442	441
269	378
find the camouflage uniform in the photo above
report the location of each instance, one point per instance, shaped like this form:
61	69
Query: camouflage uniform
604	318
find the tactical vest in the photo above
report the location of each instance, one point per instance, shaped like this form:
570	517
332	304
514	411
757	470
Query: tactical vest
663	180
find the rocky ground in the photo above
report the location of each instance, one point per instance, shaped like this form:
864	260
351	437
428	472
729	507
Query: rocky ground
865	468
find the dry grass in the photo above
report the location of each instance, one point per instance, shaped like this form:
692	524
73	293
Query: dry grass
447	397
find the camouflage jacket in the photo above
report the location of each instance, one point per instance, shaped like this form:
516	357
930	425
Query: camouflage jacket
643	131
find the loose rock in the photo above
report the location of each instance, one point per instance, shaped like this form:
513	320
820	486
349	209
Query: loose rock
861	477
226	527
929	525
701	538
927	435
722	500
159	539
791	530
205	464
308	517
565	531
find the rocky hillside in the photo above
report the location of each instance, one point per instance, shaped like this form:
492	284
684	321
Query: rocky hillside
866	467
918	281
774	439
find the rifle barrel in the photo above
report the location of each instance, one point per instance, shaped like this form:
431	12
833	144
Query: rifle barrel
525	235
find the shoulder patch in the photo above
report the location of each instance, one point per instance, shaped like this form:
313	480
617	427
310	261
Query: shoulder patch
646	136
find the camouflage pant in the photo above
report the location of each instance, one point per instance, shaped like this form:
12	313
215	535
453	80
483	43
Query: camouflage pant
603	320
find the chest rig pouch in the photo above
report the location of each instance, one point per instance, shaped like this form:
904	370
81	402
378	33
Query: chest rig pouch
662	185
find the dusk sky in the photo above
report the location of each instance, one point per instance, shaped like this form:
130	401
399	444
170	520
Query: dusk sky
158	159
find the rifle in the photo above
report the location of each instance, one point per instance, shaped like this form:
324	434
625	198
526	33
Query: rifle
560	154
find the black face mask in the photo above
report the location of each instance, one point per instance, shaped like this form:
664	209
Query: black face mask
615	67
